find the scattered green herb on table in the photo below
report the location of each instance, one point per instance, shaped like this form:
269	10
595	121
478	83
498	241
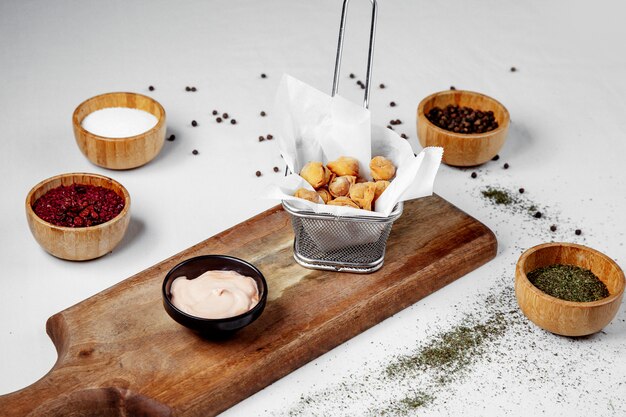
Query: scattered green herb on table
452	351
498	196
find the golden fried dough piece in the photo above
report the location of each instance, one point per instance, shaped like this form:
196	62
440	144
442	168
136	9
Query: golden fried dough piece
340	186
380	187
382	168
344	166
363	194
343	201
316	174
309	195
323	192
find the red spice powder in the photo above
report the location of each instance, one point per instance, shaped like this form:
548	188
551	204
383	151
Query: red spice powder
78	205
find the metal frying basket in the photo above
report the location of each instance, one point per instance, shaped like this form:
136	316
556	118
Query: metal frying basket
342	243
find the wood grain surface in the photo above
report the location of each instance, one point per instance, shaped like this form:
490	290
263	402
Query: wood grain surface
461	149
120	354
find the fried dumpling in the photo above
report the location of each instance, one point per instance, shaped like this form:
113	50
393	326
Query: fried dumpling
363	194
382	168
340	186
316	174
343	201
344	166
380	187
325	195
309	195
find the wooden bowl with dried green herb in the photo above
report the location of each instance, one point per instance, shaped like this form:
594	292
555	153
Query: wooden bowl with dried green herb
568	289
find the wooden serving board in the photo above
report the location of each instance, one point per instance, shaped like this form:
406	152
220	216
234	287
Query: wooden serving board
120	354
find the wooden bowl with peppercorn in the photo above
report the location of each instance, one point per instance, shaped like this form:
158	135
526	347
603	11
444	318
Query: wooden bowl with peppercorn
471	127
569	271
78	216
119	139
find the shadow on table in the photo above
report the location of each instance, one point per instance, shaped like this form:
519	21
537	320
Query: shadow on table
519	139
135	229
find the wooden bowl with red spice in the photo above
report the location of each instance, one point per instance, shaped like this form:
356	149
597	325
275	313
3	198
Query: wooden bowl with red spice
556	315
78	216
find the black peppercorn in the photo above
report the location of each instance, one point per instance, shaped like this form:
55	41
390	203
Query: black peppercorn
392	104
404	136
474	175
269	137
258	173
193	89
382	86
578	232
215	112
194	123
495	158
389	127
452	87
263	76
233	121
553	228
263	114
352	75
151	88
276	169
172	138
195	152
218	120
261	138
461	119
537	215
521	191
225	116
506	165
187	88
513	69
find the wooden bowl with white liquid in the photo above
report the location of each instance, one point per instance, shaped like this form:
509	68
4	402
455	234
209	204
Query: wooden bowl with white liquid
120	152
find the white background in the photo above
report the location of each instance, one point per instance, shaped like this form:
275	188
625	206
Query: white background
566	146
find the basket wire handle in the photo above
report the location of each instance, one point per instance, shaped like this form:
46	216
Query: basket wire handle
370	53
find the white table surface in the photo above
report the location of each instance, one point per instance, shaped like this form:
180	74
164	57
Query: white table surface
566	147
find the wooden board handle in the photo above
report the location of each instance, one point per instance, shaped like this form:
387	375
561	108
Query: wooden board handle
52	395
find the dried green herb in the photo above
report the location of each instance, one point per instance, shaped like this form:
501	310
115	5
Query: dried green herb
568	282
498	196
450	352
408	404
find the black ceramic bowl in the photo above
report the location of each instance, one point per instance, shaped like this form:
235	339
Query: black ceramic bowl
193	268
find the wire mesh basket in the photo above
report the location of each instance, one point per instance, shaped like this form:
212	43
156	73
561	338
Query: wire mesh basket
342	243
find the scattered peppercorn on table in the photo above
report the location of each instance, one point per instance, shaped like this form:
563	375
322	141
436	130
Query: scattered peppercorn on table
214	67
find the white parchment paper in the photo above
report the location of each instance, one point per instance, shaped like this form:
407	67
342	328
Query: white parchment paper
312	126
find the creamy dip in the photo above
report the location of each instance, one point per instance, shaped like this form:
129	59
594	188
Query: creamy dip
215	294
